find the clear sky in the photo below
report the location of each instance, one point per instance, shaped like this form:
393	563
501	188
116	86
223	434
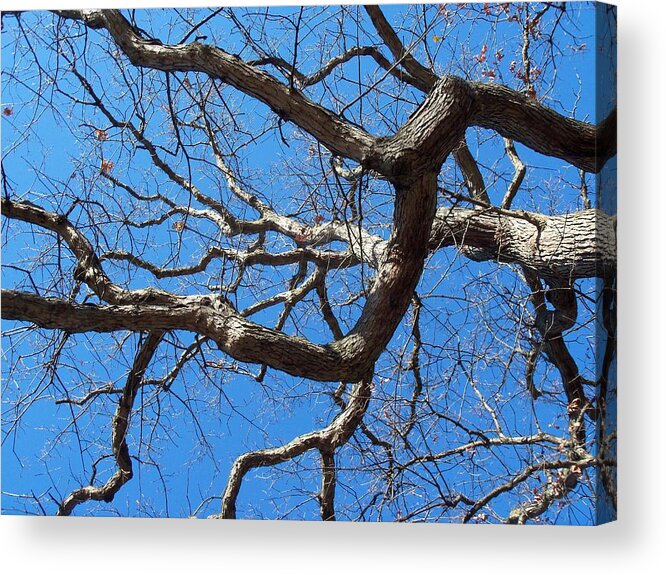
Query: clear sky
188	438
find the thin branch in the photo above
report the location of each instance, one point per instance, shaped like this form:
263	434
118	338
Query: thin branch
470	170
518	176
336	434
119	426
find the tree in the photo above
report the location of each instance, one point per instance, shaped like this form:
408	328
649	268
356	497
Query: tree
335	262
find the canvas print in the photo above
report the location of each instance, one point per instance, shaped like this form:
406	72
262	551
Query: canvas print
338	262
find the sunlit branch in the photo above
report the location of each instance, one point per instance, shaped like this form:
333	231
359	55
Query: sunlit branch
336	434
119	426
523	476
518	176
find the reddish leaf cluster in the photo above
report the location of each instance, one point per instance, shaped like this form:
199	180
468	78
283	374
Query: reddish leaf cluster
499	8
520	73
106	167
482	56
7	111
101	135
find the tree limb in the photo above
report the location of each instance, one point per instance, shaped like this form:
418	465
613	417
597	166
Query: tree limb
119	426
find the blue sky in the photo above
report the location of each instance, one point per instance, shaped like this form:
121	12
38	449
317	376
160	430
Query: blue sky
186	460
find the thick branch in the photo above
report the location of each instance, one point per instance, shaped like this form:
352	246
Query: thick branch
89	268
345	360
471	173
328	481
516	116
119	428
326	440
432	132
425	78
571	246
339	136
551	324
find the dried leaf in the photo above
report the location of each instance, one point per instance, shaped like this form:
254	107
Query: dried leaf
107	166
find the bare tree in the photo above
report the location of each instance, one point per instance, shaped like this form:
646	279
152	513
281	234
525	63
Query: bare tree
335	262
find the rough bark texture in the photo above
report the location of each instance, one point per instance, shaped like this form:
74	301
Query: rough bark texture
512	114
551	251
119	429
573	246
516	116
326	440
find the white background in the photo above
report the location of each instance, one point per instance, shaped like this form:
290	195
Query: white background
634	543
